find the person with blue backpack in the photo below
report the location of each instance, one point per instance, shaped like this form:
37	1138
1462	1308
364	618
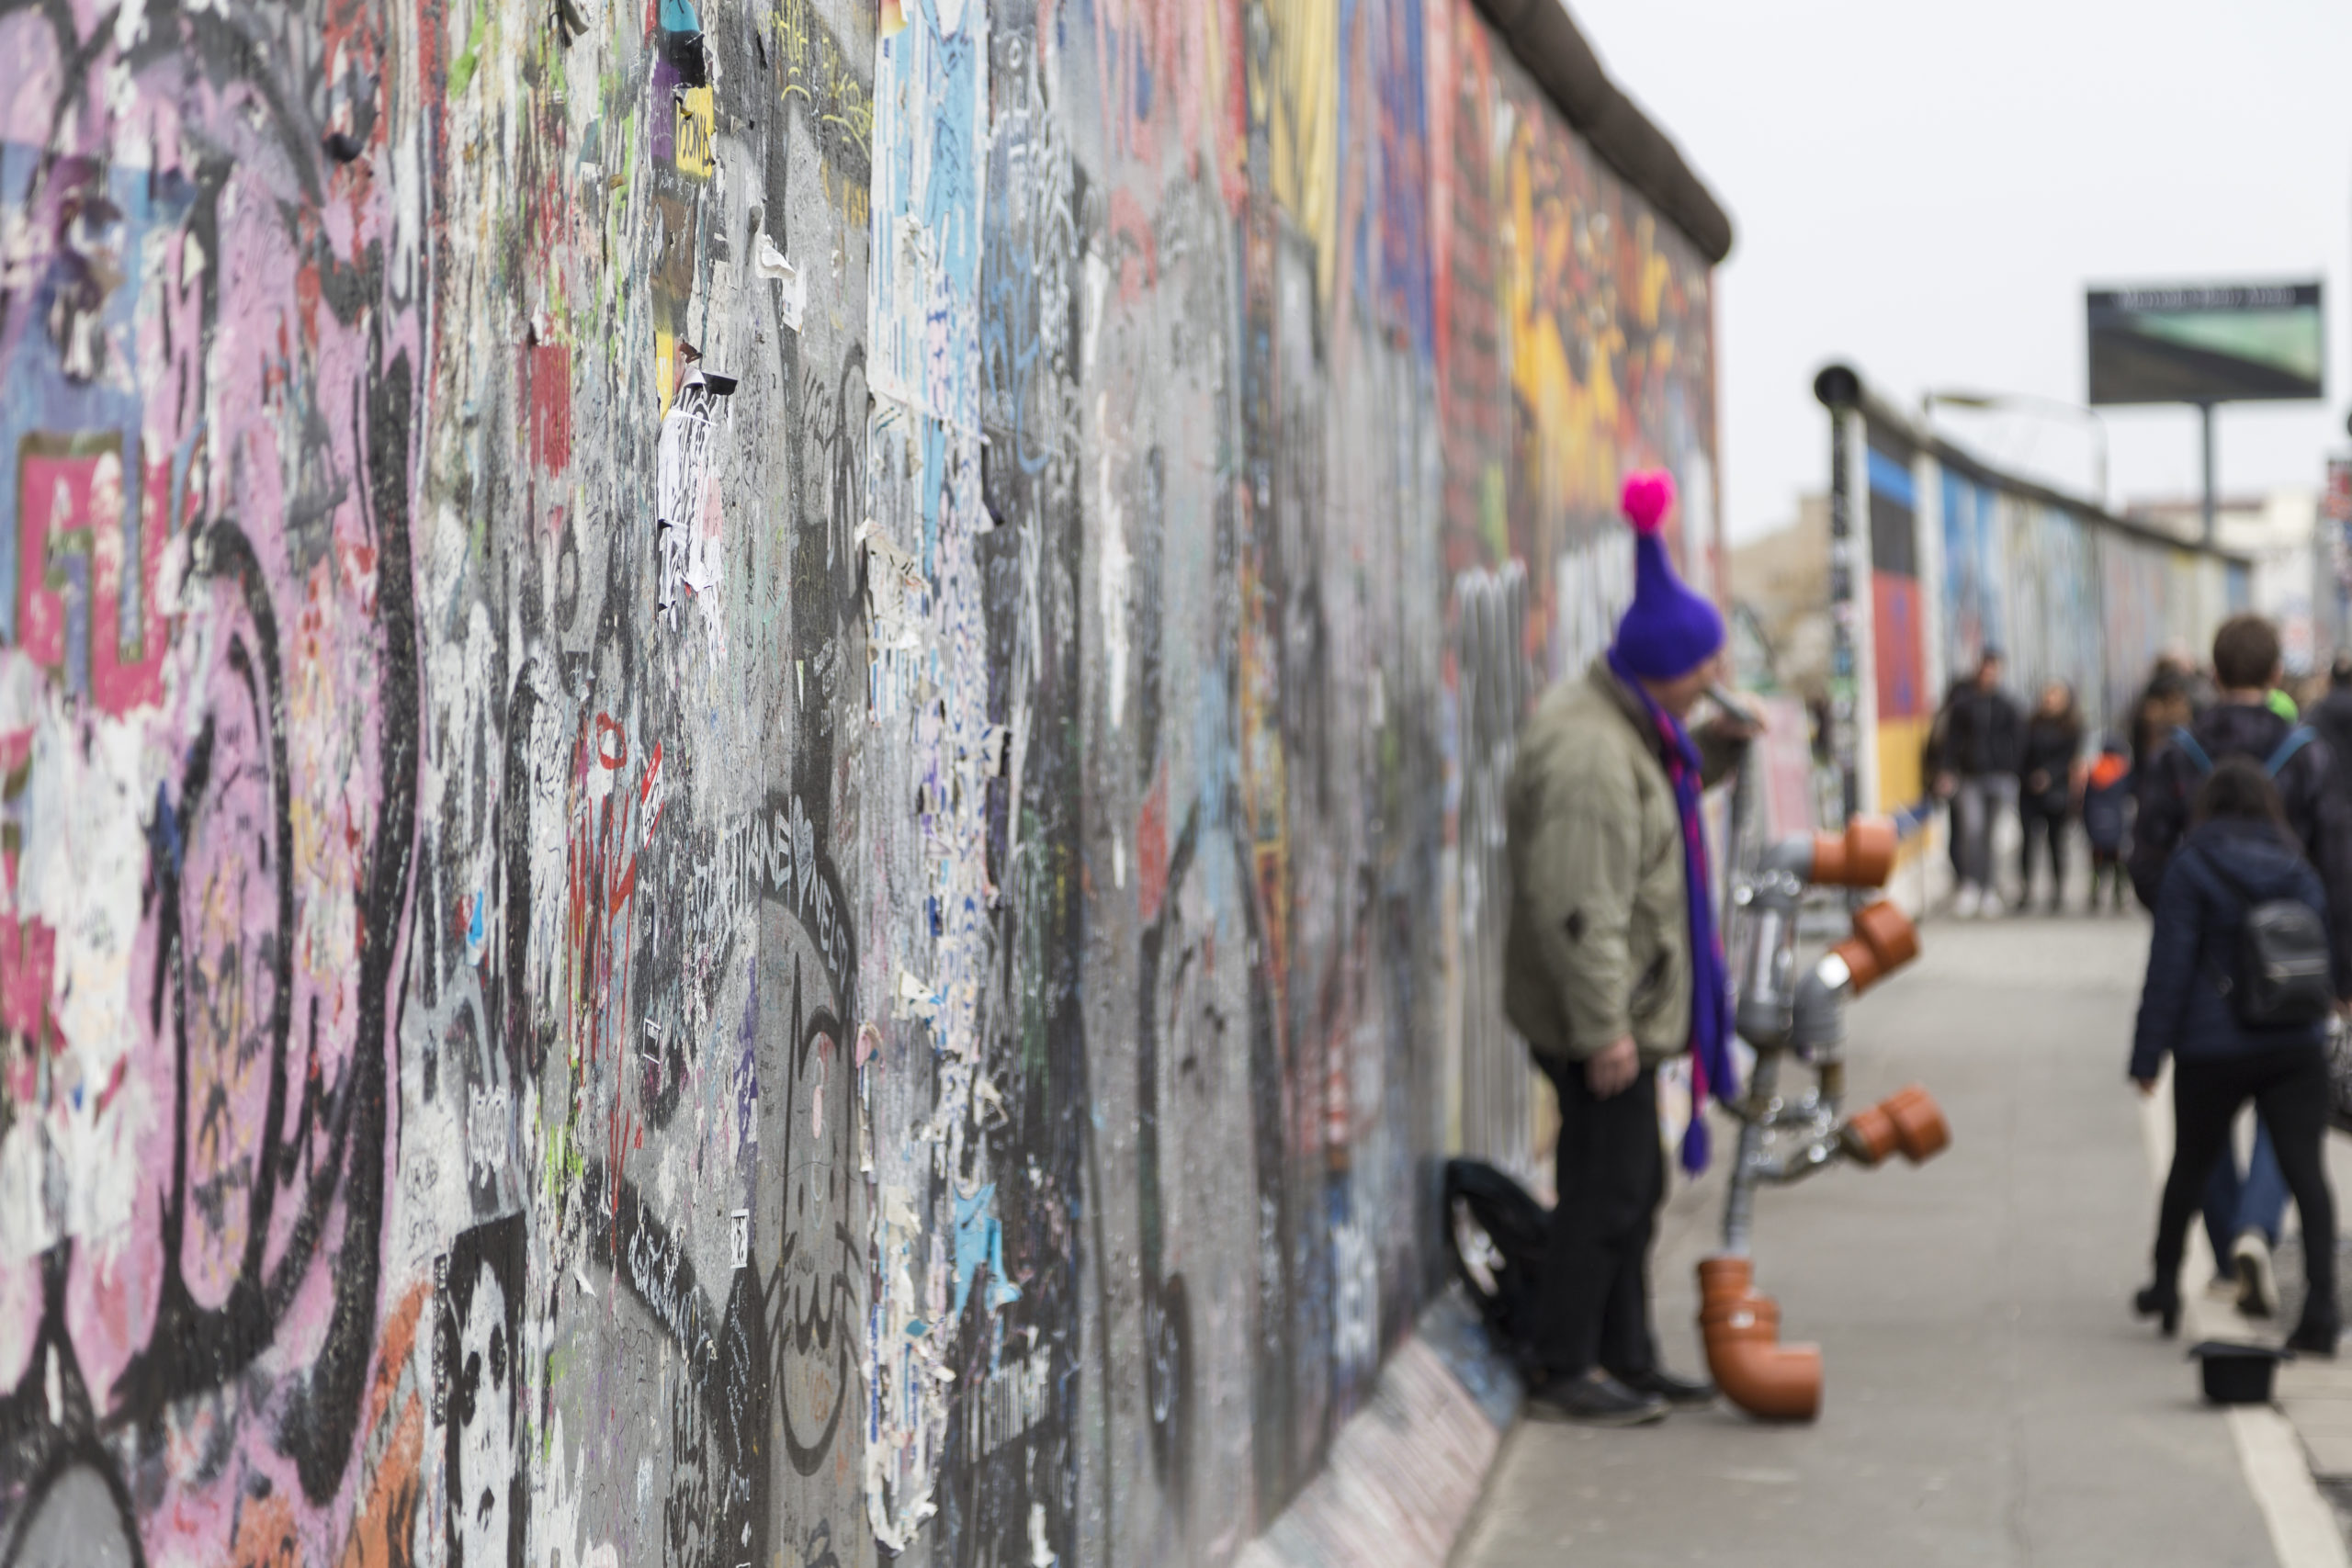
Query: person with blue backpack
2239	991
2243	1213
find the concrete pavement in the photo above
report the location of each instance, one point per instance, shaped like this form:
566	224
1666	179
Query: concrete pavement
1990	1400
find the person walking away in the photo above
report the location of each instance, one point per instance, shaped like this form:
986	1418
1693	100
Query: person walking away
2107	808
1612	967
1984	743
2331	719
2243	1213
2053	737
2238	994
2164	705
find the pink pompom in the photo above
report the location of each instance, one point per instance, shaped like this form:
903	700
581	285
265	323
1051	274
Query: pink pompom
1648	495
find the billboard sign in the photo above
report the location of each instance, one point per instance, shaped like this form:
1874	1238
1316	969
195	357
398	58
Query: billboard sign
2211	343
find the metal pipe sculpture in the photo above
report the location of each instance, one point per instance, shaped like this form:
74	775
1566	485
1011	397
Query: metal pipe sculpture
1785	1011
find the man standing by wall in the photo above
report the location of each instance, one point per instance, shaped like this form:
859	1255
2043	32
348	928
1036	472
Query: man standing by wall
2243	1214
1612	967
1977	772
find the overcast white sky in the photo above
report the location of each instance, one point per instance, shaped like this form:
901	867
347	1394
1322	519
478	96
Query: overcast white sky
1924	190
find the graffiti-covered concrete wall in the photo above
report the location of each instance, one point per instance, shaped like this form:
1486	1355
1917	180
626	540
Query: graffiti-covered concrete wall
2065	592
1961	558
750	752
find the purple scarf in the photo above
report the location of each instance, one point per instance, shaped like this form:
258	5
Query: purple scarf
1711	1064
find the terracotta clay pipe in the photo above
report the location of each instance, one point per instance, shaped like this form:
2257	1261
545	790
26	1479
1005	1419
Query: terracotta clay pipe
1771	1383
1883	941
1908	1122
1740	1330
1920	1130
1862	856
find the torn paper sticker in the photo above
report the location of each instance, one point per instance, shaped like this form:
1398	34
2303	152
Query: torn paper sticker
993	742
794	293
895	595
915	998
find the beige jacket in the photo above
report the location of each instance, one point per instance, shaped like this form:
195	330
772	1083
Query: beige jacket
1599	944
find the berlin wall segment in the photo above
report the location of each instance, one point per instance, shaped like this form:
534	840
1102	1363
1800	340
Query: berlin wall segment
746	753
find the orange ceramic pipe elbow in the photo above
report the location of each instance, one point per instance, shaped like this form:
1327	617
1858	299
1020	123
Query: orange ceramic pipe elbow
1883	941
1741	1332
1862	856
1771	1383
1908	1122
1920	1130
1868	1135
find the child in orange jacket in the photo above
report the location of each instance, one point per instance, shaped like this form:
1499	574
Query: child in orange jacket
2107	796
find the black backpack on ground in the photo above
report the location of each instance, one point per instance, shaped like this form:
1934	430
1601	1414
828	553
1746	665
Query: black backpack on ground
1496	1233
2282	974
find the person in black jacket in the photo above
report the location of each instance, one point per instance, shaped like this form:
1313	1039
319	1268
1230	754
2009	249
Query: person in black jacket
2053	737
2243	1213
1934	767
2331	719
2240	853
2241	724
1984	740
2166	702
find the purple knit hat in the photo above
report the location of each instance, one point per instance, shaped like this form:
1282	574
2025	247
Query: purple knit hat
1668	631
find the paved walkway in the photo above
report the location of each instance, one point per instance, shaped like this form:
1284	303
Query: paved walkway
1990	1399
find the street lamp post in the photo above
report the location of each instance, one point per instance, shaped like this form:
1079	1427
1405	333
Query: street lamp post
2030	401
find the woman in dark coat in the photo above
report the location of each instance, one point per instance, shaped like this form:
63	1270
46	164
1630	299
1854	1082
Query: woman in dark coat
2240	853
2053	737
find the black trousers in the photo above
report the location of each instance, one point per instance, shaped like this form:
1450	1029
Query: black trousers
1611	1174
2036	818
2289	1089
2108	864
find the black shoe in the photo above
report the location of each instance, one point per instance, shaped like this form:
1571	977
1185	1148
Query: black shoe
1594	1399
1680	1392
2311	1338
2162	1304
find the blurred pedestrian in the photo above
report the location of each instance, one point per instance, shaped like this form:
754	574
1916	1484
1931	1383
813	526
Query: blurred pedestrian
2241	723
2331	719
2243	1214
2053	738
2164	705
1983	742
1935	766
2201	1006
2107	807
1612	967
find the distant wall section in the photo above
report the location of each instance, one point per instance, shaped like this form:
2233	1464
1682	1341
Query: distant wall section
1961	558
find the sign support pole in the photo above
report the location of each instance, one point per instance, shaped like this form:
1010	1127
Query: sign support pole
2205	411
1845	698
